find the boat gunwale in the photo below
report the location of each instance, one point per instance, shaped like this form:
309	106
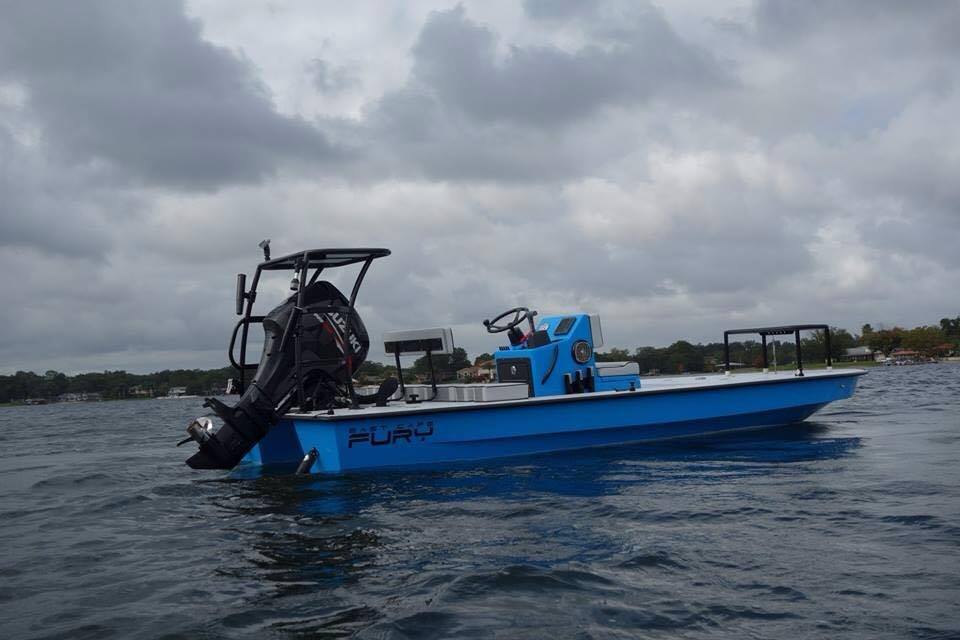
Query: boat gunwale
426	408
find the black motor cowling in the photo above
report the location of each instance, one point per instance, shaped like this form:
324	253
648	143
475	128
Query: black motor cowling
328	355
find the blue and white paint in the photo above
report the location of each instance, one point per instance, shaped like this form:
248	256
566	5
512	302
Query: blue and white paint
440	432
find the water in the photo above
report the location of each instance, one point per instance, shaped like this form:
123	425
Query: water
846	526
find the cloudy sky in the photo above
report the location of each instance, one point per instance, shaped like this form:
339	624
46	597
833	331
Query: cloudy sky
680	168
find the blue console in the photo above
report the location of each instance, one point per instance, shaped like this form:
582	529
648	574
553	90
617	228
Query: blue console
558	358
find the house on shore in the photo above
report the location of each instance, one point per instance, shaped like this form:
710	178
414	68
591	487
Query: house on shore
903	356
944	350
858	354
482	372
85	396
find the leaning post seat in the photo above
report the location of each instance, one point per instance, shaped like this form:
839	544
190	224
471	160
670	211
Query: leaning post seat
418	342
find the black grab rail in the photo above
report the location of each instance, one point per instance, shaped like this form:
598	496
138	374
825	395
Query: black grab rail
242	366
784	330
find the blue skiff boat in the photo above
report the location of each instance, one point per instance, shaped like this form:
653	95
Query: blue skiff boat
302	410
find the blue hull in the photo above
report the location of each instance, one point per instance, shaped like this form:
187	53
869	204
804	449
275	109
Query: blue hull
477	431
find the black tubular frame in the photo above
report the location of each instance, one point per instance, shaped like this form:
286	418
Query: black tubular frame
785	330
433	375
301	263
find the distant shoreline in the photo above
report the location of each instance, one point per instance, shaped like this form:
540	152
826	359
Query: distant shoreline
955	360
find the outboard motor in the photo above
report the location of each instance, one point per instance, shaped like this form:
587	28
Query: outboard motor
330	350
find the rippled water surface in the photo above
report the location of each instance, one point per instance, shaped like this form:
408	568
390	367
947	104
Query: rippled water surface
847	525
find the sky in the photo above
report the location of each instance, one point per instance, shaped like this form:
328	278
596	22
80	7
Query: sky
680	168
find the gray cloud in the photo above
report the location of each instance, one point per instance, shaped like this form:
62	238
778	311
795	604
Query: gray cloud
134	84
560	9
924	26
609	156
456	61
838	70
47	206
328	79
535	113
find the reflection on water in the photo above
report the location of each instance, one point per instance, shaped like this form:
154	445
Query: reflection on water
847	525
320	548
592	472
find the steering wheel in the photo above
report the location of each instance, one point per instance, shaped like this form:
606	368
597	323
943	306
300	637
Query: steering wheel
519	315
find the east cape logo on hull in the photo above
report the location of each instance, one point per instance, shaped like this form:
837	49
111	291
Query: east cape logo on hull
380	435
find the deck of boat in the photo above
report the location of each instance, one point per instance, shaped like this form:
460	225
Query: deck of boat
649	386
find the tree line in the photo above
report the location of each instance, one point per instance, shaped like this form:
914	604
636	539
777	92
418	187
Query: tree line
112	385
445	368
680	357
117	385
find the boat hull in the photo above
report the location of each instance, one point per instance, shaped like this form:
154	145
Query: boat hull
424	436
